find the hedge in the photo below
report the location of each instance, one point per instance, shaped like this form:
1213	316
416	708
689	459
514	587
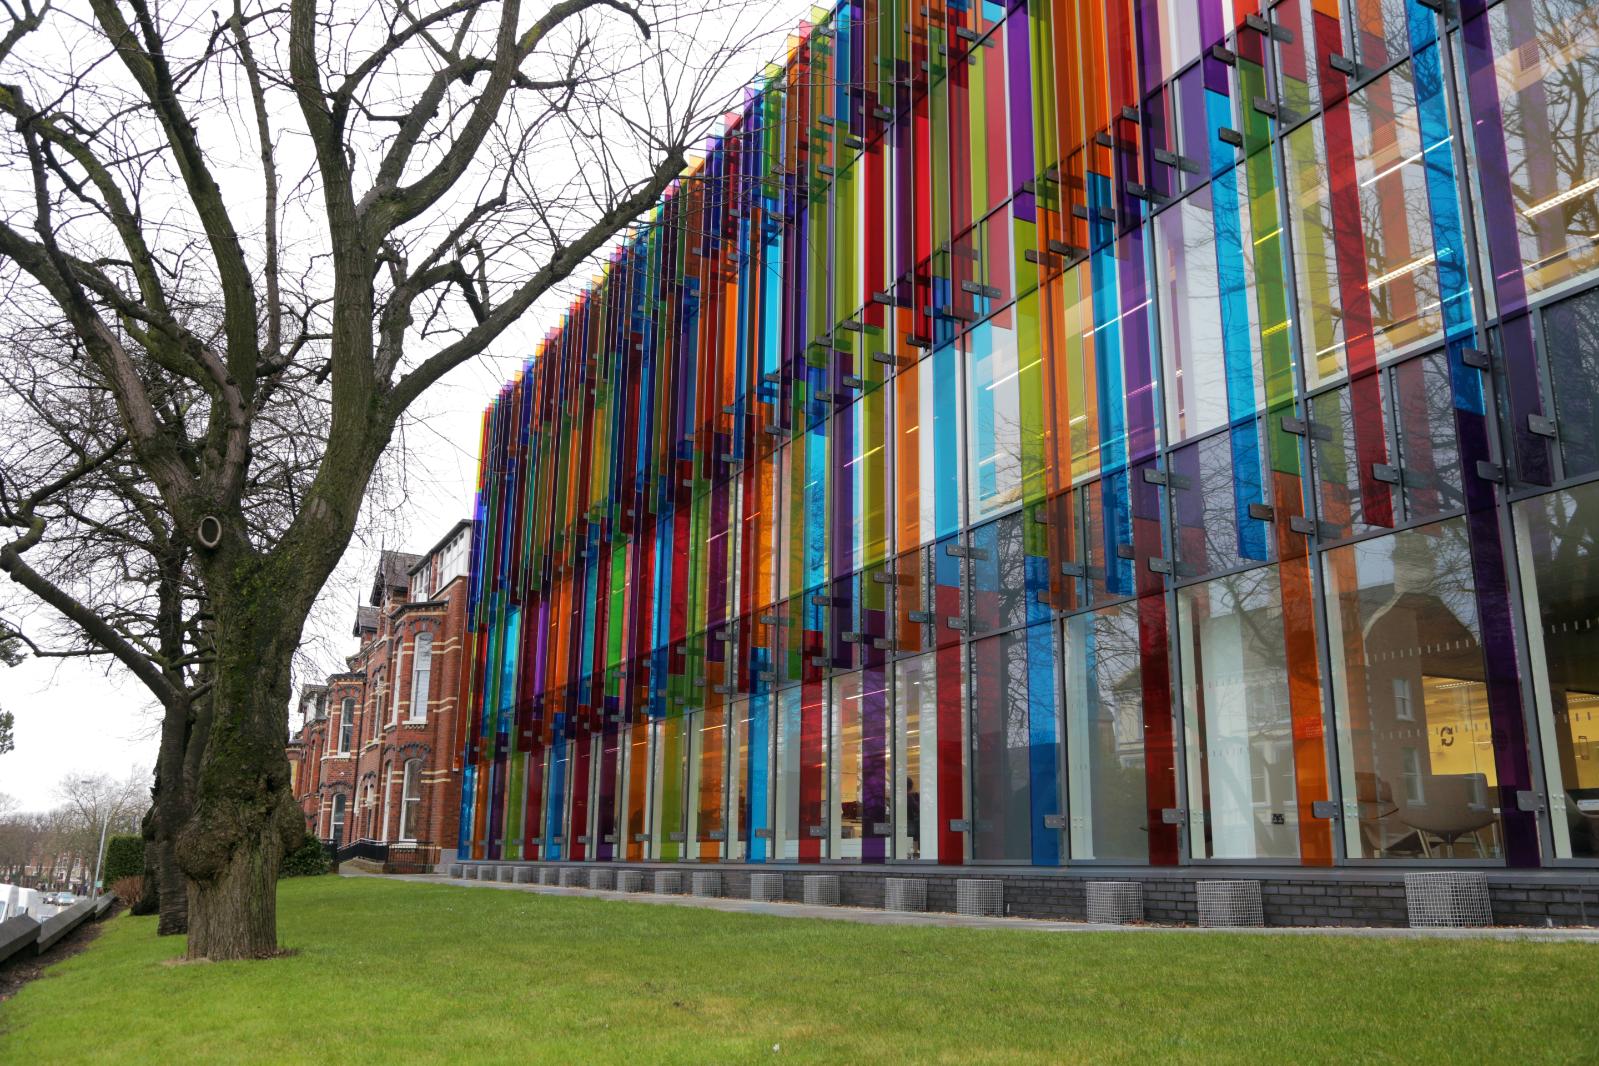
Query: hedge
124	857
307	860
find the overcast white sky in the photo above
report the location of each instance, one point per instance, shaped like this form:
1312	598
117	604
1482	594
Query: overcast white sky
72	715
77	715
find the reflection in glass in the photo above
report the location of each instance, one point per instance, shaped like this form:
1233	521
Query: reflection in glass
844	823
786	820
1429	450
1415	741
1107	806
1013	741
1571	337
1558	535
1237	718
1545	90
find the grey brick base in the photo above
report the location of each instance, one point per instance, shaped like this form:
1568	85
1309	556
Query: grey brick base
1349	896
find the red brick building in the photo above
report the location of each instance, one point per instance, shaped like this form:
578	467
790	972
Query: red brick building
376	757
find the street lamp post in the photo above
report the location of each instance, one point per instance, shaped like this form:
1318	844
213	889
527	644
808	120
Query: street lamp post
99	857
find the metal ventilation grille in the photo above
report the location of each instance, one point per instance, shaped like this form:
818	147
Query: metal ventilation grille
668	883
602	879
630	881
707	884
471	872
506	873
821	890
571	877
1447	899
547	875
766	888
905	894
455	869
524	874
979	897
1115	902
1225	904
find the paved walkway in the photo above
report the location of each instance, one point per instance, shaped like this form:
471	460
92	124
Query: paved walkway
867	916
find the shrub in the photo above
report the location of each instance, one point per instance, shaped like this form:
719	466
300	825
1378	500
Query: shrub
307	860
128	889
124	857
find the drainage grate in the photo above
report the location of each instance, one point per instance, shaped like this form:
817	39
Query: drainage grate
668	883
505	873
766	888
707	884
455	869
1229	903
905	894
1447	899
630	881
821	890
979	897
1115	902
602	880
471	872
525	875
571	877
547	875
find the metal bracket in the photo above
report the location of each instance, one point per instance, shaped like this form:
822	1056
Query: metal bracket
1055	821
1324	809
1490	471
1262	512
959	825
1543	426
1476	358
1385	472
1230	136
1529	801
1171	815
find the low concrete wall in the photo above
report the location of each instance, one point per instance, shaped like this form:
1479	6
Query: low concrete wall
17	933
54	928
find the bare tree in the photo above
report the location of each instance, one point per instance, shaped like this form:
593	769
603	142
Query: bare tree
427	172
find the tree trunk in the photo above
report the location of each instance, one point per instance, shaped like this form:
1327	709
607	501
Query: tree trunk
243	818
149	900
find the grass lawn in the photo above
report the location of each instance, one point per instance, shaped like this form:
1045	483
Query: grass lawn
394	971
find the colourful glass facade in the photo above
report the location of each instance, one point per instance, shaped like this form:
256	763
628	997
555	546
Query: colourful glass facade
1119	431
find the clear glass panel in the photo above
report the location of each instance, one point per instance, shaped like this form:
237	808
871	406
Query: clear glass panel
1237	718
1107	800
1429	449
1339	421
786	822
1558	535
929	763
1013	706
1545	81
844	823
1196	311
1415	742
993	419
1571	337
711	782
1213	485
999	575
1382	33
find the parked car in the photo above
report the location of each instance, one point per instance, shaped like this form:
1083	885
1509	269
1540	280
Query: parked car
61	899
